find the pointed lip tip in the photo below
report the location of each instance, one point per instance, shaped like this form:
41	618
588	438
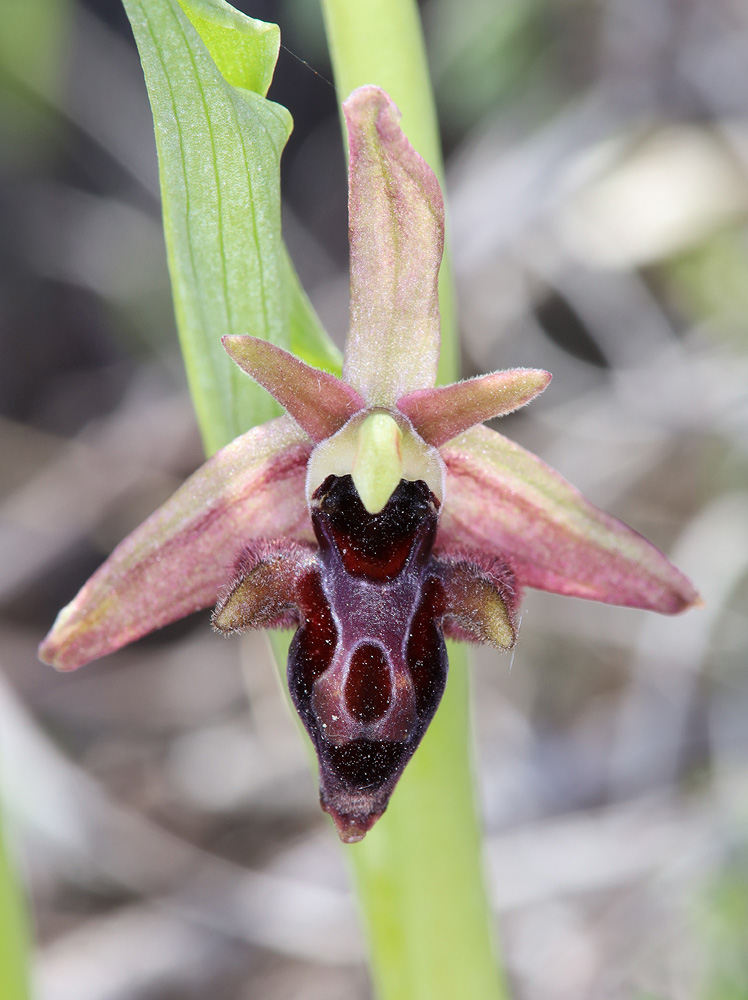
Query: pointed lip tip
351	836
351	829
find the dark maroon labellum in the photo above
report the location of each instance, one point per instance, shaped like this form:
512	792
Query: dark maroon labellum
367	667
368	664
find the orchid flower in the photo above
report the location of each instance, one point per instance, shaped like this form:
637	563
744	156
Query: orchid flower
377	516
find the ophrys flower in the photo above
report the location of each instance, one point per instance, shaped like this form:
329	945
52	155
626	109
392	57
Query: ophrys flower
377	517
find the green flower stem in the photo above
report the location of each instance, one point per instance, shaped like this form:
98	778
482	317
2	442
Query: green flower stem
419	871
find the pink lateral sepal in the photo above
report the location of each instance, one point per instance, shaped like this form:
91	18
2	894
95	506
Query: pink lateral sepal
317	401
505	501
179	559
441	413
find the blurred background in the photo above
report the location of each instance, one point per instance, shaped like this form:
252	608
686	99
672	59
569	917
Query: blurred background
161	800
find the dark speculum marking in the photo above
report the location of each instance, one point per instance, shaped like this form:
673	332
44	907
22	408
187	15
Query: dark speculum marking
368	665
368	689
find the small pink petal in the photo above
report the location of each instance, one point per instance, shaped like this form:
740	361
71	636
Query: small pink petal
440	414
503	500
318	402
396	230
179	559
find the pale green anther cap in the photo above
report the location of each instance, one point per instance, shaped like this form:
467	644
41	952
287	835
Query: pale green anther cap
378	464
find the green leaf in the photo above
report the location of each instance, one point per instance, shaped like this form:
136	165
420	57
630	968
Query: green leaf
219	141
244	50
